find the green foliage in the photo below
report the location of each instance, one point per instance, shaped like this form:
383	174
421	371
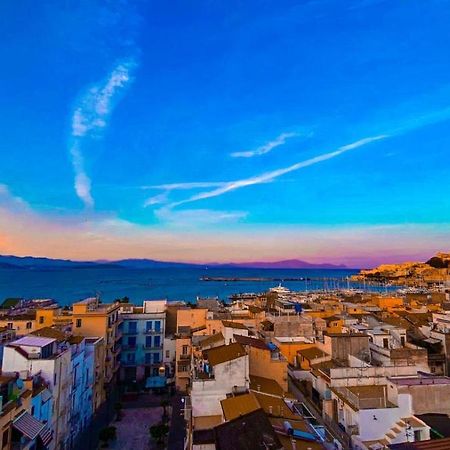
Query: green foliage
165	403
107	434
118	409
159	432
437	263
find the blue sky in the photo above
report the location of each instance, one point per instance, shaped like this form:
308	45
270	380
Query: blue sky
190	125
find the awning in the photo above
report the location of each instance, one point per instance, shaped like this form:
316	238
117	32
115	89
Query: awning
46	436
46	395
28	425
155	382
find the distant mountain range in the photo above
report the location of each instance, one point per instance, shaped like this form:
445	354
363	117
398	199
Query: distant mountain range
30	262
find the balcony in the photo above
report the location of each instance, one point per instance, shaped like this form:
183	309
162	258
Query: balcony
152	347
184	368
128	363
130	332
129	347
153	331
150	363
185	357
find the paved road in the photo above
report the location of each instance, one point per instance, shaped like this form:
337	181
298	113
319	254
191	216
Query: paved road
317	415
177	425
133	428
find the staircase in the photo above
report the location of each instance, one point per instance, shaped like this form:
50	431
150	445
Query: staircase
397	429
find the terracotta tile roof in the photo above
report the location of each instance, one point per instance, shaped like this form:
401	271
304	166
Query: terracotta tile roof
207	422
267	325
237	325
238	406
250	431
75	339
266	385
24	316
312	353
275	406
50	332
210	340
253	342
219	355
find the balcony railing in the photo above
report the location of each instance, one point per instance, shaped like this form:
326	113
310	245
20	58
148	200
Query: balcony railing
129	347
128	363
153	331
152	363
185	357
152	347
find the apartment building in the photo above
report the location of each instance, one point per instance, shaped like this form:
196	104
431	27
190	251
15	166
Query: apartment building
34	355
20	426
90	317
143	332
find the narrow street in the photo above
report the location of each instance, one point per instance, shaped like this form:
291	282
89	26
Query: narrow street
177	424
317	415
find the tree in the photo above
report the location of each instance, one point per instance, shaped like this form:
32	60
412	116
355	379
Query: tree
118	409
107	434
165	403
159	432
437	263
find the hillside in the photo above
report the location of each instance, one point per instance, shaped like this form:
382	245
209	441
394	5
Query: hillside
435	270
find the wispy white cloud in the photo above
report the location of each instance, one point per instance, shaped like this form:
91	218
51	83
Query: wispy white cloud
268	177
266	148
197	217
90	116
163	197
186	186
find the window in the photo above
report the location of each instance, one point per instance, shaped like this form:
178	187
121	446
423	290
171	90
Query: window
157	341
148	341
417	435
156	358
28	326
10	325
148	358
184	350
157	325
54	379
41	319
402	340
132	327
149	325
132	341
167	353
385	342
78	323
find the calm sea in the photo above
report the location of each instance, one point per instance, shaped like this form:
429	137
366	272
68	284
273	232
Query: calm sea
69	285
